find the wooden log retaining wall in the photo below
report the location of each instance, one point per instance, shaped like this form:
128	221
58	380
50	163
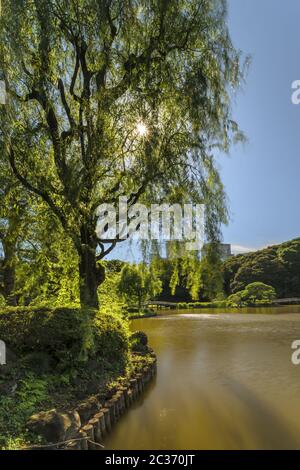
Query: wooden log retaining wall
95	430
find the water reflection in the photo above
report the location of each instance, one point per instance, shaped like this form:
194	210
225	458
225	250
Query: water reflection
224	382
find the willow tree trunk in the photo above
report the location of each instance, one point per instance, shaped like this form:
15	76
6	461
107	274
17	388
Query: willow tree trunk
91	274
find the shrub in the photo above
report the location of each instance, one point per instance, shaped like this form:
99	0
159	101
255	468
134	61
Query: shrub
66	334
139	341
16	409
56	331
49	372
111	337
254	294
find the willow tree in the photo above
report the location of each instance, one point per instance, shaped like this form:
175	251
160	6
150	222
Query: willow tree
110	98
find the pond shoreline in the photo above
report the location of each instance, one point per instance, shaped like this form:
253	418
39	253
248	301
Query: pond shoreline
216	305
85	426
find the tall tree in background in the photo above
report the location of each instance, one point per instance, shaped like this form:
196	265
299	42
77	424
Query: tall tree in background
138	284
109	98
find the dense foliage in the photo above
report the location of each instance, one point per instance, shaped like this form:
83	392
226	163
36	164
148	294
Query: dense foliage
66	335
82	75
54	358
138	284
191	277
256	293
277	266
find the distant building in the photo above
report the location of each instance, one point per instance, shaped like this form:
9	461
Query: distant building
225	249
180	250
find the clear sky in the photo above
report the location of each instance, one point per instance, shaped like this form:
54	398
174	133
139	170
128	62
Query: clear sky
262	177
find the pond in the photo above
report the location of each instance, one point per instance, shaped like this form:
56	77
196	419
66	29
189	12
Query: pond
224	381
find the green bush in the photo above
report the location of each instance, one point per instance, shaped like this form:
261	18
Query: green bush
65	334
56	331
256	293
15	410
51	345
111	337
139	342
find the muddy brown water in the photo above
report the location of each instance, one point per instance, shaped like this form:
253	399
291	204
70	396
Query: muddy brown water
224	381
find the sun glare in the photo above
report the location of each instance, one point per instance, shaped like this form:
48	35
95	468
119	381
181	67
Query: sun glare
142	129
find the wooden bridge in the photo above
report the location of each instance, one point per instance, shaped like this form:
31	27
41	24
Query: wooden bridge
289	301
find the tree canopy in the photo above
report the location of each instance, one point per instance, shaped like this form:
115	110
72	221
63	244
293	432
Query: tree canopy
277	266
83	77
256	293
138	284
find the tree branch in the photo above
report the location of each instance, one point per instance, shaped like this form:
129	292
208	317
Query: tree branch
65	104
42	193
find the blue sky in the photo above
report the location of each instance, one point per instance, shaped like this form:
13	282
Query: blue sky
262	177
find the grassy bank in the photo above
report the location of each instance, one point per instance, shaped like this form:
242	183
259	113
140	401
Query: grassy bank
217	305
134	314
